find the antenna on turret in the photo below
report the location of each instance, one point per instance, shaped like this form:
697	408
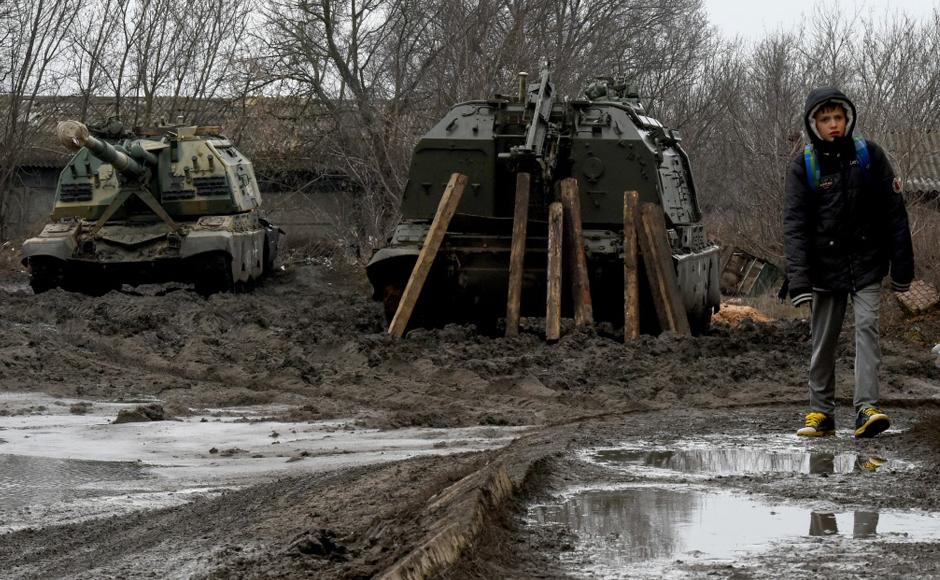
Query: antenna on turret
523	86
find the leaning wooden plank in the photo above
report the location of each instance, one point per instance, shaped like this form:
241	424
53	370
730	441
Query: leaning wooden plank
631	290
432	243
580	285
657	258
517	253
553	301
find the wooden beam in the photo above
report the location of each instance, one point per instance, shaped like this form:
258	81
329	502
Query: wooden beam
432	243
517	253
631	279
580	284
657	259
553	300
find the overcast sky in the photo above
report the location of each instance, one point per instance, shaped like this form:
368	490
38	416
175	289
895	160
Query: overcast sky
752	20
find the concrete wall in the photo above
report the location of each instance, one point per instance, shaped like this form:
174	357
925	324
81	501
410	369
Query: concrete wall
31	201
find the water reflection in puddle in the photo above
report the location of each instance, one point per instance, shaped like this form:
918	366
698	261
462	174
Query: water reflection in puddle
738	461
638	531
26	481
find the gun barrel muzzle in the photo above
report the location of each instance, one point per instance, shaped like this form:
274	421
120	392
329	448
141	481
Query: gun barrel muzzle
74	135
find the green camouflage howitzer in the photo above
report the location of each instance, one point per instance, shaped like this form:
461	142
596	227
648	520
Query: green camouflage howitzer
169	203
606	142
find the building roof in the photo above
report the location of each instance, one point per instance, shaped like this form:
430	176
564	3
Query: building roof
292	134
284	134
916	157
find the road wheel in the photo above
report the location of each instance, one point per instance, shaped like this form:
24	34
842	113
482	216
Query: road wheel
268	260
213	274
45	274
95	287
700	322
421	316
391	296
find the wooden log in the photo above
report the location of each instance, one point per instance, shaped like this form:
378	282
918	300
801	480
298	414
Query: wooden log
580	284
432	243
631	279
657	259
517	253
553	301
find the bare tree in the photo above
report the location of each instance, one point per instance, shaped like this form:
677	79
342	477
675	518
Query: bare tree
173	57
34	32
889	69
362	62
91	44
385	70
898	88
348	86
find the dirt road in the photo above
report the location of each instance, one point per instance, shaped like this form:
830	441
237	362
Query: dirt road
311	339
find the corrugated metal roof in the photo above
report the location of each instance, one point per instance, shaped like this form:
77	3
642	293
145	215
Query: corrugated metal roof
45	157
916	157
281	132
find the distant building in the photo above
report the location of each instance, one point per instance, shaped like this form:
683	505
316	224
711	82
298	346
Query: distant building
916	158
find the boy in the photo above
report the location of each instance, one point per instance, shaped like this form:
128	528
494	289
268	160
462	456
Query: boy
845	228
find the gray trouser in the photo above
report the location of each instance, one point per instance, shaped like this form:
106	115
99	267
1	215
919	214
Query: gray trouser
827	316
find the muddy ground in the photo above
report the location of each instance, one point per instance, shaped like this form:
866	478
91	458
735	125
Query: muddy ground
312	339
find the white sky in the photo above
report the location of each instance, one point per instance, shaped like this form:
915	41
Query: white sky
754	19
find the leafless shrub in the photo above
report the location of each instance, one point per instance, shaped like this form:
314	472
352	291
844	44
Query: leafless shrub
888	68
925	231
31	34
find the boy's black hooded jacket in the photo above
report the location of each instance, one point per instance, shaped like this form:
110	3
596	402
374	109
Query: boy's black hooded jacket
848	232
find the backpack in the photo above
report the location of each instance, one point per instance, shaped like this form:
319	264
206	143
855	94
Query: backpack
812	167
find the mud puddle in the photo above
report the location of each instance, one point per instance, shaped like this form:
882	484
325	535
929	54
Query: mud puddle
670	515
642	531
710	456
740	461
64	460
26	481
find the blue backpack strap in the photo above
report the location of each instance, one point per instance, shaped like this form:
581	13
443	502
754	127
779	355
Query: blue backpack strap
861	153
812	168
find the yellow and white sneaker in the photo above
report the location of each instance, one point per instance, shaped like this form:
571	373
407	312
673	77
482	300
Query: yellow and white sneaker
870	422
818	425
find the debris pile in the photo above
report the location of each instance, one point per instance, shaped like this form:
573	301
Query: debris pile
920	298
142	414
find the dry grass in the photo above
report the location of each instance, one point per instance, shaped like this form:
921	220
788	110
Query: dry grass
925	231
299	248
769	306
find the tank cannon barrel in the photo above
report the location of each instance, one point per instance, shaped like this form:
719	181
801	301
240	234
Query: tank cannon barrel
74	135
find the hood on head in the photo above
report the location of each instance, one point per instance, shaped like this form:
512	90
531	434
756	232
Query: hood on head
819	97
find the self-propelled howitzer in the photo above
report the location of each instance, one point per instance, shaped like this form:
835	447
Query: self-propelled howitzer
606	142
170	203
